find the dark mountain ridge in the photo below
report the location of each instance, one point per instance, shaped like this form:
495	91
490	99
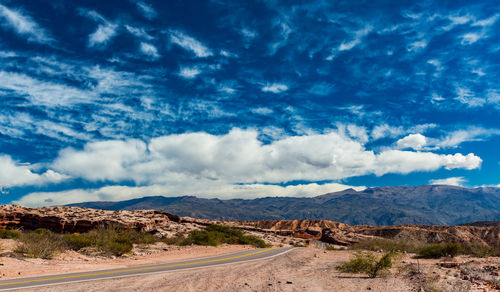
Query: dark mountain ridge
428	204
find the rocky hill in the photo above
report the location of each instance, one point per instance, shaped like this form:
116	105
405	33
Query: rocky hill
430	205
77	219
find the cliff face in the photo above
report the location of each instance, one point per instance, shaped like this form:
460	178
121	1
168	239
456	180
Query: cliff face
73	219
76	219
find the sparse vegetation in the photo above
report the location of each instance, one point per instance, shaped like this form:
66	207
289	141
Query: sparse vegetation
387	245
435	251
368	263
11	234
40	243
482	251
218	234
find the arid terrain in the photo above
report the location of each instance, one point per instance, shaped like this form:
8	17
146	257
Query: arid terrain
326	245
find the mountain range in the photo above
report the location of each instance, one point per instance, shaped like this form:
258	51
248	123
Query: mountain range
427	205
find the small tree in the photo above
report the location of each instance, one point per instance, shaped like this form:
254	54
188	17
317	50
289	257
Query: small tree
367	263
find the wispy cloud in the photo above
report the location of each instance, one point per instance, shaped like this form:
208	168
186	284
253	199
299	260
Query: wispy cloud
358	36
24	25
467	97
147	10
275	88
190	44
138	32
104	32
149	50
189	72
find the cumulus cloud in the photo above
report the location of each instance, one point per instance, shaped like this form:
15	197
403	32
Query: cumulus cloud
239	157
413	141
146	9
275	88
14	174
190	44
205	189
23	25
451	181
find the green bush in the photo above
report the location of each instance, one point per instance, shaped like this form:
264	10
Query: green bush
77	241
367	263
214	235
40	243
387	245
435	251
482	250
11	234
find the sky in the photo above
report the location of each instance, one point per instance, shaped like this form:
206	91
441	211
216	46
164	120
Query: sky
113	100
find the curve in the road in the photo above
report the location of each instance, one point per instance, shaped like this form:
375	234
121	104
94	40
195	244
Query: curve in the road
233	258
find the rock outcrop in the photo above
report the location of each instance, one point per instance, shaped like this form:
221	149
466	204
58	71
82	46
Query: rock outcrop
76	219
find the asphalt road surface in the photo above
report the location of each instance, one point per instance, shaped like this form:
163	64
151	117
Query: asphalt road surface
225	259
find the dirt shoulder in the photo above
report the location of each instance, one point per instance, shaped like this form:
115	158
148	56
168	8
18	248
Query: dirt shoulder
71	261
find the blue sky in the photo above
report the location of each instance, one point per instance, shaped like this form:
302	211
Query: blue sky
111	100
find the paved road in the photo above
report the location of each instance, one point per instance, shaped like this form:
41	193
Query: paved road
232	258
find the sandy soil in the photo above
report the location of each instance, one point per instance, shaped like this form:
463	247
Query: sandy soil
71	261
304	269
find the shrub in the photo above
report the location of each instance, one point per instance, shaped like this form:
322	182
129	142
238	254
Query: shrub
77	241
387	245
214	235
435	251
367	263
11	234
40	243
482	250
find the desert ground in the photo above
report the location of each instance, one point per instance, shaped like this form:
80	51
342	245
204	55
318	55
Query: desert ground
303	269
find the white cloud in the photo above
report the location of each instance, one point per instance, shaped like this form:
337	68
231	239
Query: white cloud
138	32
228	54
23	25
451	181
105	31
262	110
414	141
470	38
358	36
107	160
146	9
239	157
149	50
275	88
42	92
206	190
466	96
103	34
190	44
285	31
14	174
456	138
189	72
417	46
486	22
384	130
